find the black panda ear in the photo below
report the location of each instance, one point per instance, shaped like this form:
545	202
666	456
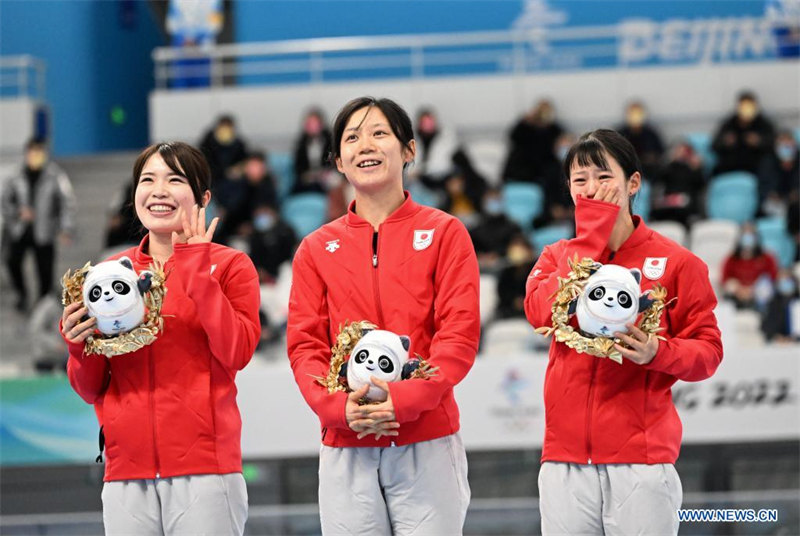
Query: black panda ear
145	281
409	368
637	275
364	331
573	305
405	341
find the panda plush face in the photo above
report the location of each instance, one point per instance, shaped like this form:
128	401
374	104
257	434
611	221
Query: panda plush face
112	292
378	353
610	300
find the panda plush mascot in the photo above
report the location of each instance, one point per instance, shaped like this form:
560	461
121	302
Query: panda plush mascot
113	293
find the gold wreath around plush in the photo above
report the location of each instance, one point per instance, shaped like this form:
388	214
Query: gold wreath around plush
137	338
349	335
570	288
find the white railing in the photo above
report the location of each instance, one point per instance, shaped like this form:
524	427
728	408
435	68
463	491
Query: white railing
416	56
22	76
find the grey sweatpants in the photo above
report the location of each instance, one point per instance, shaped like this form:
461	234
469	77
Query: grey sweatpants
194	504
419	489
611	499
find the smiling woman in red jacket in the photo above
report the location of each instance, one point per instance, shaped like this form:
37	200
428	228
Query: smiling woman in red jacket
408	269
168	411
612	433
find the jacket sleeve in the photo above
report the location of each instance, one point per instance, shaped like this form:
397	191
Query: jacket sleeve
69	205
229	306
10	205
88	374
694	350
594	221
308	340
457	327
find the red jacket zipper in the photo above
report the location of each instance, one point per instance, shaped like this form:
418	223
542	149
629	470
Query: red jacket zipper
589	405
153	413
375	287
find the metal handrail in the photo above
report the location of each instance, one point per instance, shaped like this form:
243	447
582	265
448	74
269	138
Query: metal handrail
15	72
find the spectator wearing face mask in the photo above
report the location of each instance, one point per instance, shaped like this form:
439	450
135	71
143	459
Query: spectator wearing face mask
225	151
532	141
778	321
780	175
272	242
744	138
311	151
512	278
38	206
748	266
644	138
493	233
679	186
253	188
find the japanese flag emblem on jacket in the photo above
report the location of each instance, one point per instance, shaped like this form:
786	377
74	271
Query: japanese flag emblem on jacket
423	238
653	267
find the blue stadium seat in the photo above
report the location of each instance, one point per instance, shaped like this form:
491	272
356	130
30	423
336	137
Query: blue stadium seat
423	195
776	239
305	212
701	142
522	202
282	165
642	202
733	196
549	235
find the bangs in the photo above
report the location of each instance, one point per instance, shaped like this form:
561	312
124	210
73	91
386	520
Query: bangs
588	152
167	152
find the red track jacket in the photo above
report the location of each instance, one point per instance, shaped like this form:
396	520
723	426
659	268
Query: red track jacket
421	281
597	411
169	409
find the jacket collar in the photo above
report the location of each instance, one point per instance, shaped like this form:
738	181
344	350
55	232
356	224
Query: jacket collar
140	254
641	233
405	210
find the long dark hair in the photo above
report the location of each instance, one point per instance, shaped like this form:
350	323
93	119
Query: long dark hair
398	119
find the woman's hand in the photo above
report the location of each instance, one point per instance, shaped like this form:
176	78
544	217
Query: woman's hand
73	330
194	227
611	193
368	419
643	346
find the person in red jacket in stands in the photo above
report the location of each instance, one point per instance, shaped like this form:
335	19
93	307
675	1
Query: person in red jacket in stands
168	411
748	266
396	467
612	433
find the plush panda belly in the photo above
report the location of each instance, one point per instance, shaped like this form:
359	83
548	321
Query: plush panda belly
378	353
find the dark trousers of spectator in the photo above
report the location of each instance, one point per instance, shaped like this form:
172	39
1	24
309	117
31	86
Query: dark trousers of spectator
45	257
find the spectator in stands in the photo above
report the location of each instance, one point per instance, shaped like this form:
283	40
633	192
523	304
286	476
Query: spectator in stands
272	242
462	198
123	228
748	270
38	206
644	138
558	208
311	154
436	150
225	151
793	223
493	233
679	186
780	175
532	141
777	321
744	138
511	280
255	186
